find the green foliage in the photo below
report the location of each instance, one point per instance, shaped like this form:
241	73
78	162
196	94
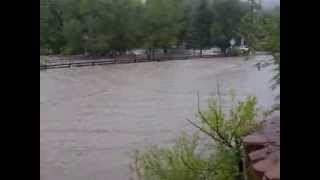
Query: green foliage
251	30
226	164
123	24
214	23
199	36
272	30
276	79
227	129
98	45
72	32
163	164
162	23
262	32
104	26
51	24
190	159
272	44
108	25
185	161
227	15
250	27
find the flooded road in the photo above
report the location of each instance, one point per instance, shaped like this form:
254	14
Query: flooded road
91	118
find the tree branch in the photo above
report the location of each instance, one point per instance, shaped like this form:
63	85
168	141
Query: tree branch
205	131
216	130
196	169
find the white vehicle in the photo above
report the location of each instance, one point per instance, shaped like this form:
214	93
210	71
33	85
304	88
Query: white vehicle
139	51
238	50
244	49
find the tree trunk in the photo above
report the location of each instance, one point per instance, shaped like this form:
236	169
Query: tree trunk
149	54
240	166
165	56
200	52
154	54
224	51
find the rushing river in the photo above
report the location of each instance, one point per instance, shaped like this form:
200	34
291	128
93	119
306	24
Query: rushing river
92	118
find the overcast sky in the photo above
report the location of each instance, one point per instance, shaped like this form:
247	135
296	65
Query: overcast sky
270	3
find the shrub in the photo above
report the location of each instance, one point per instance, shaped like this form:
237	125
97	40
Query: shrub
163	164
184	161
227	129
219	160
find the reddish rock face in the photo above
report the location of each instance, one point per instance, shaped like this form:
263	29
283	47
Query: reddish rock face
273	173
254	142
264	166
263	151
259	155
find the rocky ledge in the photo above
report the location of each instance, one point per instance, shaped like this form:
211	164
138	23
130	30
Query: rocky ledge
263	151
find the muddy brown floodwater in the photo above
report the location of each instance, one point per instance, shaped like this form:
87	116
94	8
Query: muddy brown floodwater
92	118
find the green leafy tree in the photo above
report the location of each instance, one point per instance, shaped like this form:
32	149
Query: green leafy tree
272	43
251	28
226	20
99	26
115	26
199	36
184	9
162	24
261	30
124	23
73	35
51	25
97	31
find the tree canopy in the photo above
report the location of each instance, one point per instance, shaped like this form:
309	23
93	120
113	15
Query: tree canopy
101	27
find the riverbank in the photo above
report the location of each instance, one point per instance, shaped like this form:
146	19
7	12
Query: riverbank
263	151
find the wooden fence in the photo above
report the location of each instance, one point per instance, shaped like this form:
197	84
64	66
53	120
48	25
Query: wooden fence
92	61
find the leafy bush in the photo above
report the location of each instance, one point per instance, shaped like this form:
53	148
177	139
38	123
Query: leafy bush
276	79
184	161
156	163
219	160
227	129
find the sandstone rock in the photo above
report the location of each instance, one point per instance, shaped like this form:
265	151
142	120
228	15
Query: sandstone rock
254	142
259	155
263	166
273	173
